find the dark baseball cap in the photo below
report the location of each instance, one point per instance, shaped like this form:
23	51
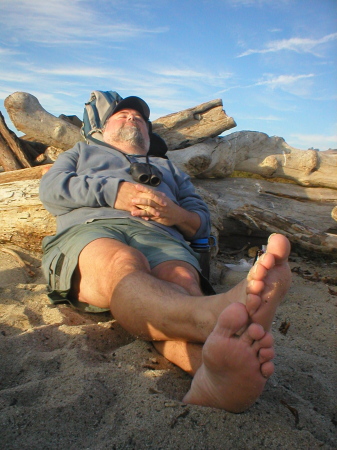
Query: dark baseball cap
135	103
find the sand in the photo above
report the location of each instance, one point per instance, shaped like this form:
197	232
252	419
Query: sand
71	380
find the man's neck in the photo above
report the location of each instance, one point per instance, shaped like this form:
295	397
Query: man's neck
127	148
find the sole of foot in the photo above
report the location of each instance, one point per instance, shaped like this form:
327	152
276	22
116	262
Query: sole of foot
235	368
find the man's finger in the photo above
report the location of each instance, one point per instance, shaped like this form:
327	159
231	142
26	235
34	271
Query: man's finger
148	200
147	190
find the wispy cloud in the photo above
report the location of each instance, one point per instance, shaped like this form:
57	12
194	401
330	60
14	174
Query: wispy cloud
269	118
78	72
7	52
237	3
295	84
320	141
298	45
79	80
298	85
60	21
181	73
16	76
282	81
186	76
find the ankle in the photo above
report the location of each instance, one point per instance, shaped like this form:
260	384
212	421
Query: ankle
205	320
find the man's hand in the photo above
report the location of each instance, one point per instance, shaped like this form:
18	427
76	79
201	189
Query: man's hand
154	205
126	192
136	198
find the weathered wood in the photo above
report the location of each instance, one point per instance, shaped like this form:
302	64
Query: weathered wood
334	213
308	238
245	151
31	150
8	160
51	153
272	157
31	118
193	125
310	206
212	158
303	211
250	153
23	219
12	156
33	173
179	129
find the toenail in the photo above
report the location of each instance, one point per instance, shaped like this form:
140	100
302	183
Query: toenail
262	257
273	234
258	255
253	269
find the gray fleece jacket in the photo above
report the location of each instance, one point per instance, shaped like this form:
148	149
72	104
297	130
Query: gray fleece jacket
82	185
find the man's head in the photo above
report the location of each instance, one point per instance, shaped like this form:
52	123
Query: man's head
133	103
128	126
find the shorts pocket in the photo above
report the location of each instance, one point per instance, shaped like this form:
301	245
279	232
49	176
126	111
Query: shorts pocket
57	261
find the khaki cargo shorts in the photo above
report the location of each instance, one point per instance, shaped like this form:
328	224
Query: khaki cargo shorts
61	252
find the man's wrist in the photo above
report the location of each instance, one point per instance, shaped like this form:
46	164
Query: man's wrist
189	223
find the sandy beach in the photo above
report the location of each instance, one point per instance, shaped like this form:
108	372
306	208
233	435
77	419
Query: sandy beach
73	380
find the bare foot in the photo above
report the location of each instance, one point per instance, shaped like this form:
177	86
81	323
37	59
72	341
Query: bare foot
265	286
234	369
268	281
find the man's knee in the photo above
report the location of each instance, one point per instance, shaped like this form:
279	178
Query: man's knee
181	274
102	264
108	256
128	258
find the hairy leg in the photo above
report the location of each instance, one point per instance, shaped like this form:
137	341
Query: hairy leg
179	273
231	369
113	274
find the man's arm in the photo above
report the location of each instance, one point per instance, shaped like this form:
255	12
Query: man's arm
66	186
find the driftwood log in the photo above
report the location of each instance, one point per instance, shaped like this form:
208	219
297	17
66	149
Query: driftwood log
24	221
310	206
12	155
253	152
193	125
32	173
244	151
272	157
308	238
178	129
234	175
31	118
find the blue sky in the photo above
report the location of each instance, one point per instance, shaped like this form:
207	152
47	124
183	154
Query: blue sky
272	62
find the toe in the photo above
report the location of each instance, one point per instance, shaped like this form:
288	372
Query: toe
253	333
255	287
232	320
266	354
279	246
267	369
266	342
257	272
253	302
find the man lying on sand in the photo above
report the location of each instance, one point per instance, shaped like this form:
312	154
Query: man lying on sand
122	245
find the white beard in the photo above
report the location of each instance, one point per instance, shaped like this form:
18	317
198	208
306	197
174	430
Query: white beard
132	135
